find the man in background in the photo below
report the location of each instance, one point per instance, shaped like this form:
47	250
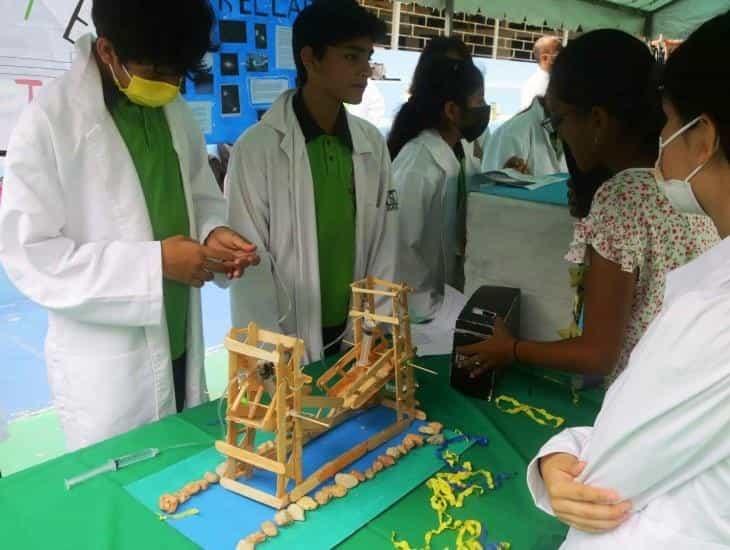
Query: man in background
545	51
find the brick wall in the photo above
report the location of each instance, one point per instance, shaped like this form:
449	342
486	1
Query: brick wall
419	24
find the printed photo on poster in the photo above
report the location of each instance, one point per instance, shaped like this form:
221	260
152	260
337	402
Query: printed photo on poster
229	64
262	37
230	100
257	63
233	31
264	91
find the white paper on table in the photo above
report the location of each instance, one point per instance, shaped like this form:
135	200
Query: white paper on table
437	337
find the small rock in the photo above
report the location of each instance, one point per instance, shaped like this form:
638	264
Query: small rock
183	496
169	503
387	460
307	504
402	449
269	529
416	439
377	465
431	428
338	491
393	452
408	444
369	473
358	475
282	518
220	470
203	485
211	477
322	497
437	439
256	538
192	488
296	512
243	544
348	481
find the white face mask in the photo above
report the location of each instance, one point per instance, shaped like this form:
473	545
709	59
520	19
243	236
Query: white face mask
679	192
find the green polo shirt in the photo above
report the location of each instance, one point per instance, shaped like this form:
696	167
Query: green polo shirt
330	159
147	136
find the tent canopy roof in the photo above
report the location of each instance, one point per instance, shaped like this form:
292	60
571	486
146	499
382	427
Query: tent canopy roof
673	18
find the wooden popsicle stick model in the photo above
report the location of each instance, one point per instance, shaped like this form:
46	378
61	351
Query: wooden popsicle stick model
268	392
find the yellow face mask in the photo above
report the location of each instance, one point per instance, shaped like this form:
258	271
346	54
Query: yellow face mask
147	93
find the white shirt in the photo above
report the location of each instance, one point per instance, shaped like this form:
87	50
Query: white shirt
523	137
372	107
661	439
535	86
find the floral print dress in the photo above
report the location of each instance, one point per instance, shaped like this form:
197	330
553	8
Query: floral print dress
632	224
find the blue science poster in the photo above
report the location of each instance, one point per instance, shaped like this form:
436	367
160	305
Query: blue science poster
252	66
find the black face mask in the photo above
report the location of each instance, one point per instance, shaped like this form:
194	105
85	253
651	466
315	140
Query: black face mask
582	186
476	121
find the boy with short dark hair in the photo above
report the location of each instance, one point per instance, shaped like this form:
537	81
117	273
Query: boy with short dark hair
311	185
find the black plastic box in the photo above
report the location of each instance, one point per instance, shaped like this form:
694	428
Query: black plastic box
475	324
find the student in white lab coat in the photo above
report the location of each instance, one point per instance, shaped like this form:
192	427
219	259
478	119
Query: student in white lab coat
453	48
107	201
654	470
525	144
430	174
545	51
311	184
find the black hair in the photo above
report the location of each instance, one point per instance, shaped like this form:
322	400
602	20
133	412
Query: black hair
697	76
328	23
582	185
612	69
442	80
445	46
162	33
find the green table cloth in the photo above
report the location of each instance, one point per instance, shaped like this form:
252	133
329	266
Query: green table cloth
36	510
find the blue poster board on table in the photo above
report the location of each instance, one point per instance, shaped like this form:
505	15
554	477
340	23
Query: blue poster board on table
253	65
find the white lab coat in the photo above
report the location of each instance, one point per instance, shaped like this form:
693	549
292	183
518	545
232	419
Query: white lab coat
661	438
270	196
75	237
524	137
426	173
536	85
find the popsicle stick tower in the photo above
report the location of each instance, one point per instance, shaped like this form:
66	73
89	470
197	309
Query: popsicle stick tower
268	392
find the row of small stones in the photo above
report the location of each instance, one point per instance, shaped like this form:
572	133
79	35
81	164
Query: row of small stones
343	483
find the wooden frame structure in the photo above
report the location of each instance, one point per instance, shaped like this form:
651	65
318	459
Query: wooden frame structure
266	366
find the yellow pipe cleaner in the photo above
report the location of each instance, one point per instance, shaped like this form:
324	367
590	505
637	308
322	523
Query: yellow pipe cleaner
541	416
443	498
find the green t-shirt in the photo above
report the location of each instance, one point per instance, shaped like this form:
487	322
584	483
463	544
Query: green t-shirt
147	135
330	159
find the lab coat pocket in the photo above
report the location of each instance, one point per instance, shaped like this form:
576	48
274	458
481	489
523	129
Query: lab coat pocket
106	394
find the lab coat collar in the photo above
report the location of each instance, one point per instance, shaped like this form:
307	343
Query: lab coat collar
707	272
312	130
282	118
85	77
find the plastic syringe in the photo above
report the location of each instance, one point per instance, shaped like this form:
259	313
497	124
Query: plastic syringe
112	465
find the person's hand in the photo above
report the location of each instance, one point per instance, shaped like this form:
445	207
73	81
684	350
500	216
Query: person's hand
224	239
581	506
191	263
493	353
516	163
